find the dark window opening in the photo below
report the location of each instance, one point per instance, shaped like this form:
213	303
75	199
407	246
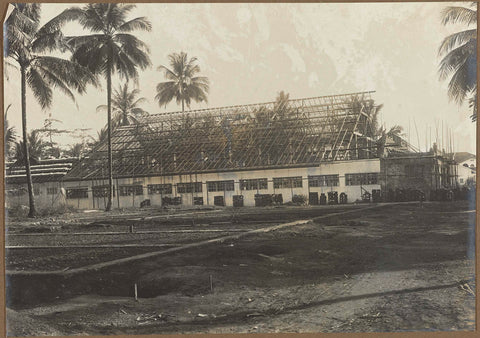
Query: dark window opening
254	184
183	188
323	181
129	190
159	189
77	193
220	186
287	182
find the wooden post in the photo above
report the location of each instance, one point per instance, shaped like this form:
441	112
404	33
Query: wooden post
211	284
136	293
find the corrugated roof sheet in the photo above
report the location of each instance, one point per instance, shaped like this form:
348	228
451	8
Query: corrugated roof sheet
45	171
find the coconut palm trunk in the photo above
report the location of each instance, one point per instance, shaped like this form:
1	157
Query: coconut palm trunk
109	136
110	48
32	210
28	45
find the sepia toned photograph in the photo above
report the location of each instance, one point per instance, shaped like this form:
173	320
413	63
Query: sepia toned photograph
182	168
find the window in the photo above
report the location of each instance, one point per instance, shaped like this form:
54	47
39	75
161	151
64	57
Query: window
159	189
220	186
52	191
101	191
77	193
37	191
361	179
323	181
183	188
287	182
254	184
129	190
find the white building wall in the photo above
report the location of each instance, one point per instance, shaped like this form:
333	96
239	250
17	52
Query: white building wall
46	195
341	168
465	175
471	162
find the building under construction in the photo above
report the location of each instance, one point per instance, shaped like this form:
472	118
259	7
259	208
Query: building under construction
315	150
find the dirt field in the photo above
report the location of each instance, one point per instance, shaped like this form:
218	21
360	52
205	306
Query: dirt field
390	268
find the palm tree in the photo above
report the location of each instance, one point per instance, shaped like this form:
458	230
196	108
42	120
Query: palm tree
182	84
102	135
9	135
459	55
76	150
36	148
26	43
125	107
109	49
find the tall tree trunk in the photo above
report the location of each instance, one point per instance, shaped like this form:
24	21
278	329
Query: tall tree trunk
31	199
109	136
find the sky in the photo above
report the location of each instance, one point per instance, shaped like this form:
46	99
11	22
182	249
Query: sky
250	52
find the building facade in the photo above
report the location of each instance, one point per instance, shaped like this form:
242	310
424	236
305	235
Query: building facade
47	176
352	178
425	172
315	150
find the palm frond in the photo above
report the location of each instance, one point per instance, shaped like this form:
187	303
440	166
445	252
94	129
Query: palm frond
454	40
40	88
9	133
25	17
56	23
94	17
30	10
463	82
455	58
138	112
141	23
54	81
48	42
90	52
36	147
70	73
458	14
123	64
166	92
17	42
134	48
459	53
472	104
195	93
50	37
139	101
9	65
169	74
182	86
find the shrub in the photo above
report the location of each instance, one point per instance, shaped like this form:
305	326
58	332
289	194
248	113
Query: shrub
56	210
299	199
21	211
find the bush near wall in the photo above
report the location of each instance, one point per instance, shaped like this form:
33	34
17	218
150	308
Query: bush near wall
299	199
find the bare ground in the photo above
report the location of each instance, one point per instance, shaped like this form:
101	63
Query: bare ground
395	268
